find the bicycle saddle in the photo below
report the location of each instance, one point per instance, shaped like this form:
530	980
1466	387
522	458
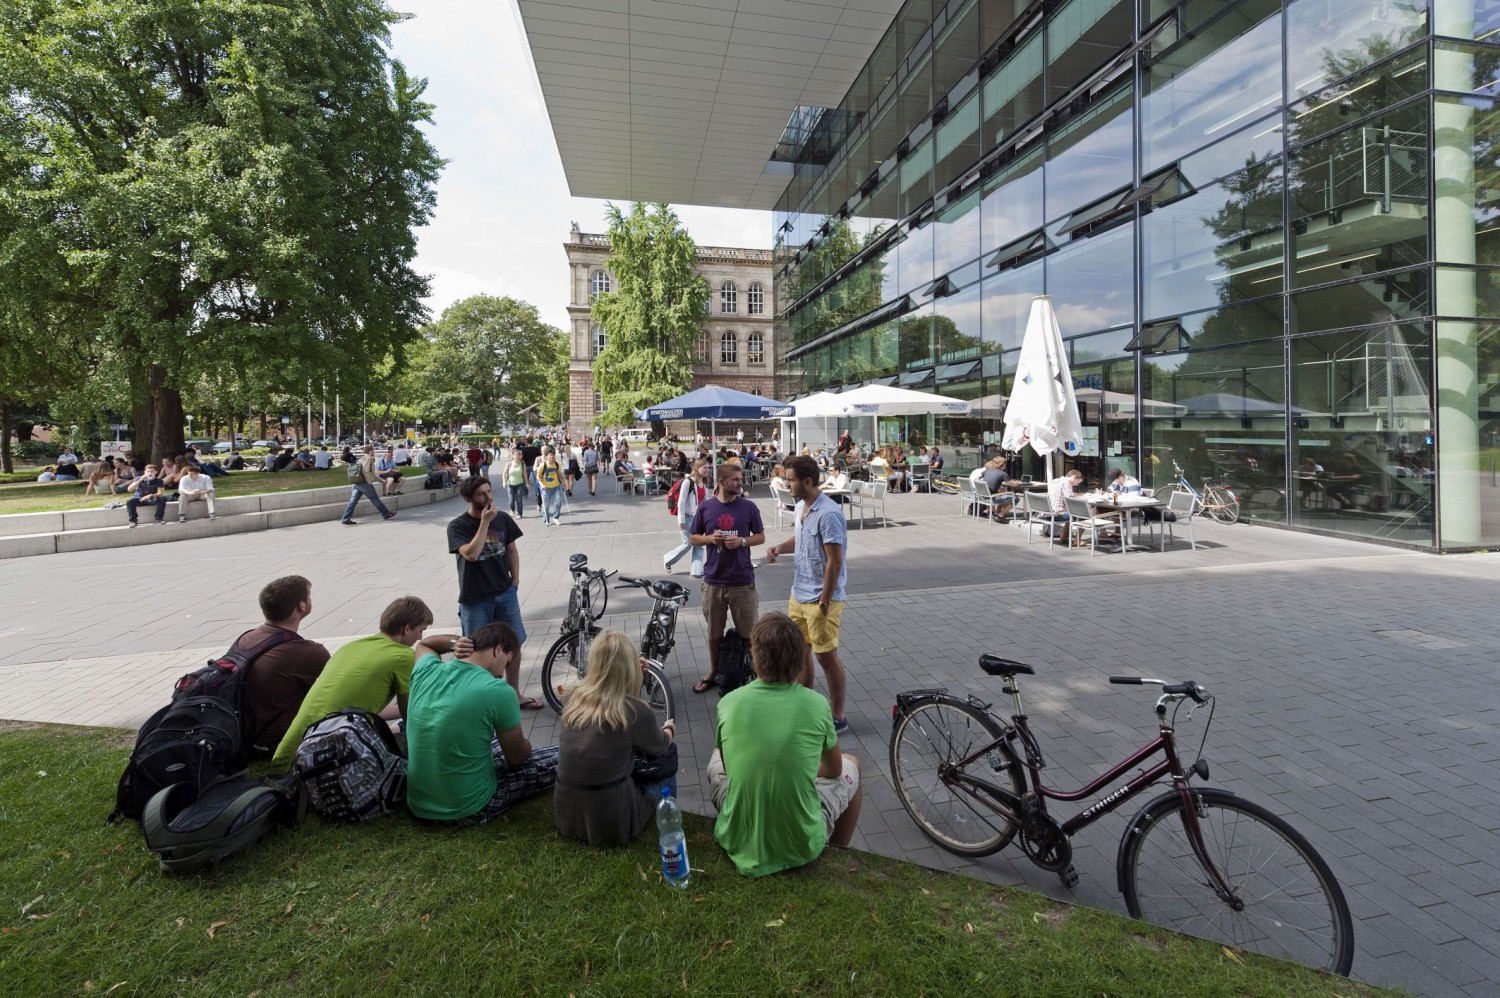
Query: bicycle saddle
666	589
994	665
578	561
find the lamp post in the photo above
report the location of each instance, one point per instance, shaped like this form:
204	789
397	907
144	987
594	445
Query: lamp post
323	423
338	423
364	417
72	436
190	425
309	412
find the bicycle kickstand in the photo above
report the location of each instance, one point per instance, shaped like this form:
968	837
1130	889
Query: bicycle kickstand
1069	876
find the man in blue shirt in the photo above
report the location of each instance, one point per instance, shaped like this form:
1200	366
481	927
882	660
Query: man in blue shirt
819	538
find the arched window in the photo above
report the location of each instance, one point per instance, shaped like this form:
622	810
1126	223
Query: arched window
755	299
598	402
729	298
601	340
755	348
729	348
599	284
700	350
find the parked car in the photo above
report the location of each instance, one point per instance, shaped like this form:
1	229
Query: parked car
200	444
265	443
223	446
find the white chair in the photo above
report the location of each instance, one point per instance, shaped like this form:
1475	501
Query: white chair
966	496
1036	512
920	476
1180	504
984	499
877	497
782	497
1081	520
858	500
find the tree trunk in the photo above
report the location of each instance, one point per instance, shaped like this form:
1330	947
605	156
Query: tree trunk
158	415
6	462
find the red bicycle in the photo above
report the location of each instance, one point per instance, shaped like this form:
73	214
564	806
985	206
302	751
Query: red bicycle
1198	860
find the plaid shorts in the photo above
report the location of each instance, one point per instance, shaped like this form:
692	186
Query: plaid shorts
515	783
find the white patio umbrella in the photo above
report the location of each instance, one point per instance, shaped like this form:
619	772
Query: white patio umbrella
820	407
1043	411
887	400
1123	403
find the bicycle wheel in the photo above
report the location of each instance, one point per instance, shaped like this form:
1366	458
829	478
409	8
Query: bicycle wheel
1290	905
564	667
598	596
970	811
656	692
1221	504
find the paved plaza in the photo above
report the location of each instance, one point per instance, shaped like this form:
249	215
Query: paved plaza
1356	685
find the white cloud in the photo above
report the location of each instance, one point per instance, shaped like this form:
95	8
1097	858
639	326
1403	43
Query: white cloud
504	211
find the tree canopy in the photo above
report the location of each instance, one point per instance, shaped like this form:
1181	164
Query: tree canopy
654	315
226	182
488	359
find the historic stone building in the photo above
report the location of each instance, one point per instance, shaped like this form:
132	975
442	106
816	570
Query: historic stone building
735	348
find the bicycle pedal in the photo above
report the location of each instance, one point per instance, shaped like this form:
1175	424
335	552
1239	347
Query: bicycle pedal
1069	876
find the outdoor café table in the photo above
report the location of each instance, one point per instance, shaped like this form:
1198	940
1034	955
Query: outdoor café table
1126	507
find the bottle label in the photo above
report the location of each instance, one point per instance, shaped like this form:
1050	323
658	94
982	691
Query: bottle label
674	861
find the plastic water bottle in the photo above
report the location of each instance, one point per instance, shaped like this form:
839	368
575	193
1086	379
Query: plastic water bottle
674	858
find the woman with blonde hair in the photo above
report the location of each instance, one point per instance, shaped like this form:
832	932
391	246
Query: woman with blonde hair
604	727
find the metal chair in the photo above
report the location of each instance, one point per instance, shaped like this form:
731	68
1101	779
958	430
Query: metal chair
1180	504
967	496
877	495
1036	511
858	500
782	497
920	476
1081	519
984	500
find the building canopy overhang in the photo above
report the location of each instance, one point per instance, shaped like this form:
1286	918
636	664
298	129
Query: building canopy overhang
685	102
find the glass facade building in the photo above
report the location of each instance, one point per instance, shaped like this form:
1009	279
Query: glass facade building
1270	230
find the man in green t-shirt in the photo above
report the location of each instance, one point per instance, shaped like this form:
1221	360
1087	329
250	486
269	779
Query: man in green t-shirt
468	760
776	775
367	673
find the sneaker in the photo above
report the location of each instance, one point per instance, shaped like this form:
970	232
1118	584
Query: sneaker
666	564
182	519
841	726
134	524
350	523
213	516
389	516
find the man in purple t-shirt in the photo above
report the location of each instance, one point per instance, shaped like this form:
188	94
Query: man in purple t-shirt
729	525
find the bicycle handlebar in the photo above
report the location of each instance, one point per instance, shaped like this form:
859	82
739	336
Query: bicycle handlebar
1188	689
632	583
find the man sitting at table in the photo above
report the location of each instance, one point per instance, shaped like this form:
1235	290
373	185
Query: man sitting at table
999	482
1120	482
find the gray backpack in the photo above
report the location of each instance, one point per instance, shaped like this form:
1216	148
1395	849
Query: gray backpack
189	828
352	766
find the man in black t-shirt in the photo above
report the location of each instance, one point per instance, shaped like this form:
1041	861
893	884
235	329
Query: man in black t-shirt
489	570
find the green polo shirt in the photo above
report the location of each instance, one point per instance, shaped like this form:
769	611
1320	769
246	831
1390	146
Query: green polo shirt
367	673
455	711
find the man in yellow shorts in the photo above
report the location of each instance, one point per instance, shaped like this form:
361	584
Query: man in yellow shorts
818	540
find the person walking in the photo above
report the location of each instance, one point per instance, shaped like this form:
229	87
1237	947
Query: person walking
819	538
690	494
591	465
362	478
727	525
549	475
515	482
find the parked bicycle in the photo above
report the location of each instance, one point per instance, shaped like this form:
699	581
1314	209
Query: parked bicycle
589	595
945	484
1198	860
566	662
1215	499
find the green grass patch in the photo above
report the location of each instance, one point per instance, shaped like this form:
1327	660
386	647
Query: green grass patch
53	497
394	906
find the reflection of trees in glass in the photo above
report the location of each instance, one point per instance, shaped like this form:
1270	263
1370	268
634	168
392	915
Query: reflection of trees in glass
856	295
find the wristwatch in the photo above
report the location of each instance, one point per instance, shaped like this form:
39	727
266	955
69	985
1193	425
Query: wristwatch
453	645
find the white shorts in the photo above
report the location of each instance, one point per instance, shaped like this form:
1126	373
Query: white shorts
834	794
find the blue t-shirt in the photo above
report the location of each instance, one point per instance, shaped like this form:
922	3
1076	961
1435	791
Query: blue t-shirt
741	518
823	524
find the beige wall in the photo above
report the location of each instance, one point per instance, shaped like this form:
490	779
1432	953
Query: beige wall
586	253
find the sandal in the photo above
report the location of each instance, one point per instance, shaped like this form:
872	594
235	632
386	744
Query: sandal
704	685
531	703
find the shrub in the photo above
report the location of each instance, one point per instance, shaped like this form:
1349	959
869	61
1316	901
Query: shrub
38	451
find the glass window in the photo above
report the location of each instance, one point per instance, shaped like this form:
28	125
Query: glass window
729	298
1221	245
729	348
957	143
1083	36
957	325
598	402
956	237
1214	327
1092	281
1012	204
957	49
1013	93
600	340
755	299
1401	295
755	348
915	257
1250	145
1211	83
1007	305
914	339
1361	432
915	98
1327	40
1358	198
1090	155
599	284
916	179
1468	203
700	349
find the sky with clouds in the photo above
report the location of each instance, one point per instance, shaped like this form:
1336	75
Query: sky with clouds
503	210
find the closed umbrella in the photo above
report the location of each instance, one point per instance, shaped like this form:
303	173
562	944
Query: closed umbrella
1043	411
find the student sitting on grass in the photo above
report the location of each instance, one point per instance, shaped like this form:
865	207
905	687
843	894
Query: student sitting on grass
467	759
604	726
367	673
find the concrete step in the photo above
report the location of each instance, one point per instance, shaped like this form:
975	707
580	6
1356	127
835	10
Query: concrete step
95	529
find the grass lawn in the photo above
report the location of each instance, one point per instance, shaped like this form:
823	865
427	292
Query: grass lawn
52	497
393	906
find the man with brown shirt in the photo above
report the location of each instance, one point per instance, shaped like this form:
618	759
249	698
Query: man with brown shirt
278	680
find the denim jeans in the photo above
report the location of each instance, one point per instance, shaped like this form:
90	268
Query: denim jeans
685	547
534	486
504	607
518	499
368	491
552	503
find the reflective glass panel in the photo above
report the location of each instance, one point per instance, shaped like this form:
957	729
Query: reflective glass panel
957	325
1012	203
1013	93
957	142
1007	304
1401	295
957	234
1328	40
1082	37
1090	155
915	254
1092	281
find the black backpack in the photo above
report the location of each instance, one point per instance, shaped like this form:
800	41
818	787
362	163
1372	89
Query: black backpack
190	828
196	740
224	677
734	662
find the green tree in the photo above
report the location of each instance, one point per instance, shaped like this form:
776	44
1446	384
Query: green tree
226	182
653	316
488	359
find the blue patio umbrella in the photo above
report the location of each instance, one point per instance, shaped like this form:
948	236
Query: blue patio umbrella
713	402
